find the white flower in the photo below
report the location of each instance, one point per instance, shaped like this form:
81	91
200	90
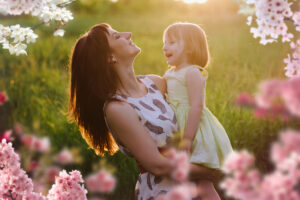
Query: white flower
270	19
4	8
57	15
46	15
5	31
18	49
15	38
287	37
59	32
59	1
249	20
31	37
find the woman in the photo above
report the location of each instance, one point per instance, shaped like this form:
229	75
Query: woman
106	93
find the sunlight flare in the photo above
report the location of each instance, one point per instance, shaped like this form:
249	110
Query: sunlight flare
194	1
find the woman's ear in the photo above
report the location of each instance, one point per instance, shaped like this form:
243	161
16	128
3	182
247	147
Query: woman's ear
112	59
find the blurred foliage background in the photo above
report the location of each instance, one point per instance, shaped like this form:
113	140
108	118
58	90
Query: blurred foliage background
37	84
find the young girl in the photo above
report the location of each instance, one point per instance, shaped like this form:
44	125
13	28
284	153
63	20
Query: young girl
186	51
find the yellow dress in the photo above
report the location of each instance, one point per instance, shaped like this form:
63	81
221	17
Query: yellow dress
211	144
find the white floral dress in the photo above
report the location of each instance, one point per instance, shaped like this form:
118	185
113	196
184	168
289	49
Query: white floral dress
160	121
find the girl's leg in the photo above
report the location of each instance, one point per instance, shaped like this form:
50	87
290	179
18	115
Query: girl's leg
204	177
207	190
200	172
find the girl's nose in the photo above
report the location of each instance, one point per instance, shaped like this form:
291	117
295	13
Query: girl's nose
164	48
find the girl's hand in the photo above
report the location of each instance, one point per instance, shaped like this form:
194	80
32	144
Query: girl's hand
187	145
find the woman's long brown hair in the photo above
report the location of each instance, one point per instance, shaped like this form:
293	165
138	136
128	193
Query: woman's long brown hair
93	82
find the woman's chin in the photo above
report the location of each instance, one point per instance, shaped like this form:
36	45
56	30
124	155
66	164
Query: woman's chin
136	51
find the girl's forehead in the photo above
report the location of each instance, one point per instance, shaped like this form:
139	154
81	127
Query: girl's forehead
169	36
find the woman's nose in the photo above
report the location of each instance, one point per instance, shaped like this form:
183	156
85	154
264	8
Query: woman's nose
127	35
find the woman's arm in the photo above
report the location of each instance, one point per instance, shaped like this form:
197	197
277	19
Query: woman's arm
194	82
126	127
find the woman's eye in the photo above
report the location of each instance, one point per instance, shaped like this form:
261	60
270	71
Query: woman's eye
117	36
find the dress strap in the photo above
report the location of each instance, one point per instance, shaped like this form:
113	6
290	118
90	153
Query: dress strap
146	80
202	69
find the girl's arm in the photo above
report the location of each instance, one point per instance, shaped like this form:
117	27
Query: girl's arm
194	82
126	127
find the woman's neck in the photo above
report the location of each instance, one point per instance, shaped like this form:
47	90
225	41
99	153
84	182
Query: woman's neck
128	85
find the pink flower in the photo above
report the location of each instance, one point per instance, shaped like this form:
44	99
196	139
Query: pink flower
260	113
278	98
33	196
6	135
67	186
41	145
244	99
291	96
12	177
3	97
246	184
64	157
238	161
182	169
36	144
27	140
296	19
270	19
101	181
269	93
181	161
179	192
51	173
33	165
289	142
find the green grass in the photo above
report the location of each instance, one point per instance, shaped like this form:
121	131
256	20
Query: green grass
38	84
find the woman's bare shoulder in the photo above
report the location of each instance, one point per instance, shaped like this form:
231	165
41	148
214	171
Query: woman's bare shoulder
115	109
159	81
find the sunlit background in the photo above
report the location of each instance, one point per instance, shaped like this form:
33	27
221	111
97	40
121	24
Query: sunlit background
37	85
194	1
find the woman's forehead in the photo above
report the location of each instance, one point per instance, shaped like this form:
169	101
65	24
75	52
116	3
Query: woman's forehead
111	31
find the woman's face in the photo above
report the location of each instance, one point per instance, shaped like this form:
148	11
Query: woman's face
121	44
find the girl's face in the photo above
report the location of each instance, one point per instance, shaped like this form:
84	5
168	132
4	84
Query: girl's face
121	44
174	51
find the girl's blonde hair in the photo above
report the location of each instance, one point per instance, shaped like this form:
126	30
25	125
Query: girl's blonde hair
195	42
